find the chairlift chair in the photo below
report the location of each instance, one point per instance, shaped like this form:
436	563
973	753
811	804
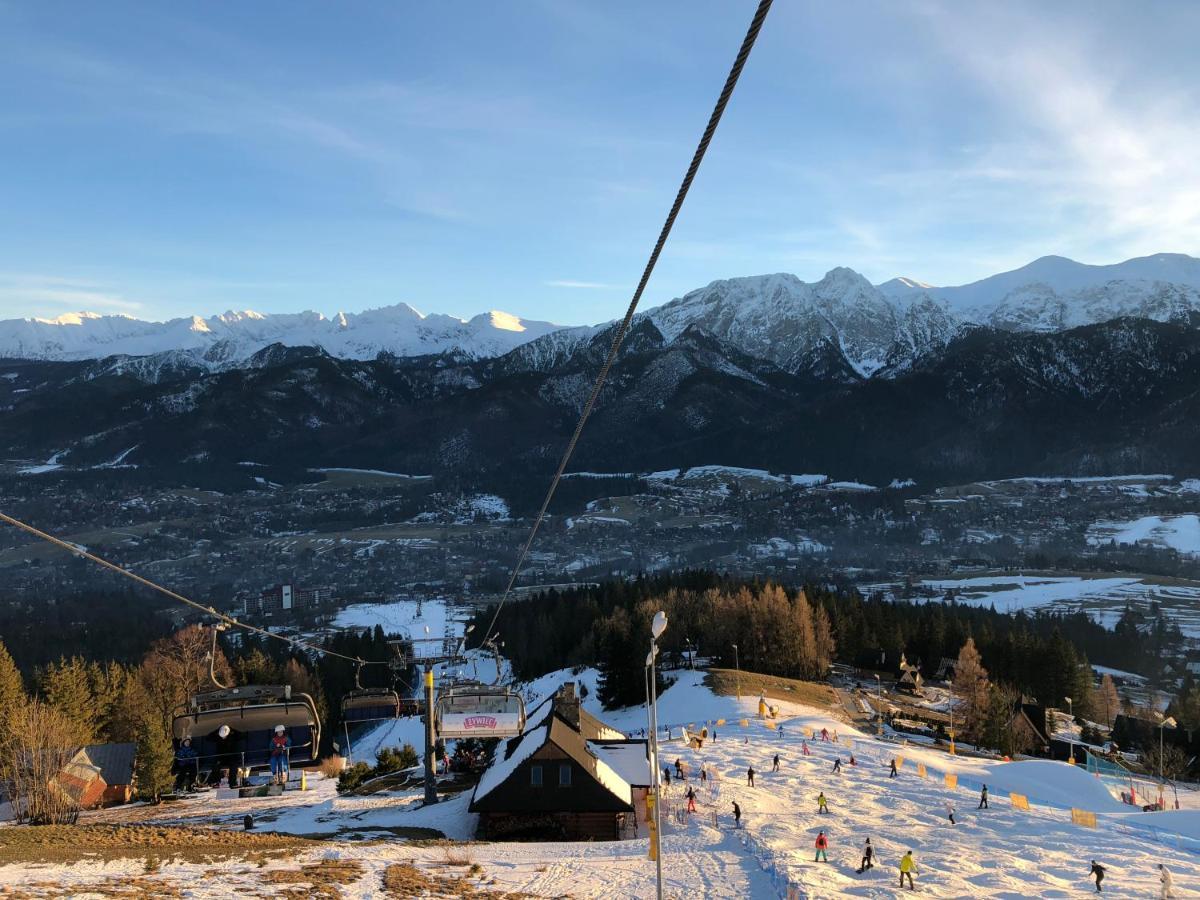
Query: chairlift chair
252	713
471	709
369	704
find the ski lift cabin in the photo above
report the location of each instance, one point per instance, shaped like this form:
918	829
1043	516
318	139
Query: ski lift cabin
370	705
252	713
478	710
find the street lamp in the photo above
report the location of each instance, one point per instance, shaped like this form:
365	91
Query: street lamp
1071	727
950	682
878	705
1168	722
737	666
657	627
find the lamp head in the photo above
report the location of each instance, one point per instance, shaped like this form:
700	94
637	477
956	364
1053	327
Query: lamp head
659	625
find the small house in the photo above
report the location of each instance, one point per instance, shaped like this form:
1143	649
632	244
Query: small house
99	775
569	776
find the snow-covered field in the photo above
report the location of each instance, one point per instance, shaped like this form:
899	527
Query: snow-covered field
1180	533
1102	598
1000	852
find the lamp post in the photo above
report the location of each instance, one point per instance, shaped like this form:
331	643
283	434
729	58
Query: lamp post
878	705
1071	725
657	627
951	683
737	666
1168	722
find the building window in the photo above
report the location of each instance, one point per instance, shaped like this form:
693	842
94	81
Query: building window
564	775
535	776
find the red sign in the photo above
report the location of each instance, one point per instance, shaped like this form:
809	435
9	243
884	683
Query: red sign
488	722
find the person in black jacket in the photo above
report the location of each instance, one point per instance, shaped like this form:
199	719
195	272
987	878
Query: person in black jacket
1098	871
228	756
983	803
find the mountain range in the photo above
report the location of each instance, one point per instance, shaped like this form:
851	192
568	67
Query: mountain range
1096	376
799	326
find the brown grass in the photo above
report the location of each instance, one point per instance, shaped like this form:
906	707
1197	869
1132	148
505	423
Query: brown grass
65	844
331	766
408	882
810	693
139	888
321	879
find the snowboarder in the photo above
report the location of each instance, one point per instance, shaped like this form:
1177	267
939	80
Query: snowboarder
1167	881
691	799
281	746
822	844
775	763
804	748
950	812
853	761
779	731
714	736
737	815
667	775
822	805
893	772
983	803
1098	871
868	857
750	777
679	768
837	765
907	866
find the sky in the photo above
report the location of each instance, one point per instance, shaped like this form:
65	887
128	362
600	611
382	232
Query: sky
170	159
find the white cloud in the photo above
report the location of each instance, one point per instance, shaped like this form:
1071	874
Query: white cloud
23	291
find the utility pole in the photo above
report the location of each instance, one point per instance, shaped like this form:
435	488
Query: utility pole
430	763
738	667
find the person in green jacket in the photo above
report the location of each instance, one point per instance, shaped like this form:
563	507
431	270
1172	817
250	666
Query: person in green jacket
907	866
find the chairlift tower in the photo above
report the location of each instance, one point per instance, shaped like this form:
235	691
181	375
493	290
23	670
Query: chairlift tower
427	653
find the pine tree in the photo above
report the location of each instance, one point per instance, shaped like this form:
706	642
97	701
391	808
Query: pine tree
67	686
155	756
12	690
1108	704
971	687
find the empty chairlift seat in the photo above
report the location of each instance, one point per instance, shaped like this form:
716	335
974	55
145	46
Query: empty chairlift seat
370	705
483	711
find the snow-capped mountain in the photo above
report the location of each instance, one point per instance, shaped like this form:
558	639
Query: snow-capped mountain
231	339
1054	293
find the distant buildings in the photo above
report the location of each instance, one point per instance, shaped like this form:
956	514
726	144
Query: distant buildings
286	598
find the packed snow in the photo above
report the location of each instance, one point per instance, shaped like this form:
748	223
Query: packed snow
1179	533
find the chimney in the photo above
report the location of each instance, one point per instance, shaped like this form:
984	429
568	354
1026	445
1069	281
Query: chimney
566	704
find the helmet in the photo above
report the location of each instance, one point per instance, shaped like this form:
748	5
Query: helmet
223	731
279	729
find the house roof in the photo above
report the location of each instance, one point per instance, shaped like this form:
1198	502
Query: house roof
114	761
628	759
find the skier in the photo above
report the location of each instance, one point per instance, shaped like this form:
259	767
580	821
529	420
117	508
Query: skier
950	812
714	736
750	777
983	801
893	773
281	746
737	815
187	761
824	734
868	857
907	866
804	747
835	737
853	761
667	775
775	764
822	844
822	805
1098	871
703	774
1167	880
779	731
691	799
837	765
679	768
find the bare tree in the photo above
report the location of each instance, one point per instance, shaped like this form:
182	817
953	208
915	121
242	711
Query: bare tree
971	687
44	786
1108	703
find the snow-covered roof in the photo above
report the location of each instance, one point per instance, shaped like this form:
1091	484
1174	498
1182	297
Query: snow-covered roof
627	758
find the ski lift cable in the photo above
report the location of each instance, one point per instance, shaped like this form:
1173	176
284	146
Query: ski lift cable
735	72
179	598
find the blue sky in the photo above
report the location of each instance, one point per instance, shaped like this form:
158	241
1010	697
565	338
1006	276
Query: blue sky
163	159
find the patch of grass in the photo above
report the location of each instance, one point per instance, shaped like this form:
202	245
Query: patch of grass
809	693
67	844
321	879
139	888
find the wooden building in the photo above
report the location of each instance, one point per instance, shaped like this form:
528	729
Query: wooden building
567	777
99	775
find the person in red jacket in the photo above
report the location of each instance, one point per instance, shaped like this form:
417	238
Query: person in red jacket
822	844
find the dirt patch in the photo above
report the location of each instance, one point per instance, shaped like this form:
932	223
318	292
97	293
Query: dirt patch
809	693
321	879
112	887
64	844
408	882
